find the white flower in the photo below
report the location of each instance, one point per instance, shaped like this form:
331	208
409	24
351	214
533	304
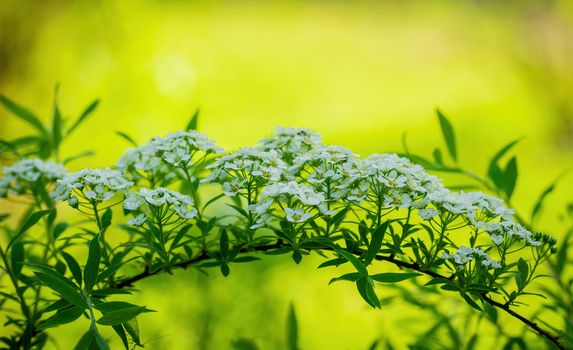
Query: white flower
297	215
138	220
179	148
21	176
95	185
133	201
428	213
141	201
497	239
465	255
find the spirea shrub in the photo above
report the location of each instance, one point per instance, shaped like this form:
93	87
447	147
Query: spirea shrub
289	194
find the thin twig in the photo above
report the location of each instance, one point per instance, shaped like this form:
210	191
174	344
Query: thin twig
129	282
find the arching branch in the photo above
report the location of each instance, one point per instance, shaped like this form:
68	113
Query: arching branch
129	282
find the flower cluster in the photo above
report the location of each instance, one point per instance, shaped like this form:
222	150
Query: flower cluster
156	203
464	255
246	171
393	181
143	163
20	177
331	171
291	142
158	160
90	185
297	203
179	149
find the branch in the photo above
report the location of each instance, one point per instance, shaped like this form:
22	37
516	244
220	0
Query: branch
403	264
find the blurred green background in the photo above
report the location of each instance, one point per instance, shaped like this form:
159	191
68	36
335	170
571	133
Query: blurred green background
360	73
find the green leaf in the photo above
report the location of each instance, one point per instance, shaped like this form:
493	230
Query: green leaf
523	269
61	285
77	156
57	123
132	328
92	265
17	259
244	344
62	317
449	136
352	276
106	218
354	261
192	125
120	316
225	270
73	266
30	221
539	204
121	333
375	243
23	114
224	244
110	306
392	277
471	302
127	138
292	329
367	292
100	341
494	171
86	113
86	340
510	177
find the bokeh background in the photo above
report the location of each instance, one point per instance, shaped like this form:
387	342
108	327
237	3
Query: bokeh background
360	73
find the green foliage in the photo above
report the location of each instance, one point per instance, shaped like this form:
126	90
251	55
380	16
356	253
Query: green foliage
371	229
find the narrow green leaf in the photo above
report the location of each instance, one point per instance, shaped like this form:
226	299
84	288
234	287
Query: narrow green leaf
121	333
471	302
352	276
292	329
120	316
367	292
375	243
110	306
449	135
23	114
539	204
17	259
510	177
523	269
132	328
100	341
86	113
92	265
127	138
392	277
224	243
73	266
354	261
62	285
86	340
30	221
192	125
106	218
62	317
57	123
494	169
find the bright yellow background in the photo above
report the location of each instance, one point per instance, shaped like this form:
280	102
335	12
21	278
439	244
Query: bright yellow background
359	73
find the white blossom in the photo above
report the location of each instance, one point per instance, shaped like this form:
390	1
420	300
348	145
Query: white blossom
21	176
297	215
142	201
464	255
93	185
